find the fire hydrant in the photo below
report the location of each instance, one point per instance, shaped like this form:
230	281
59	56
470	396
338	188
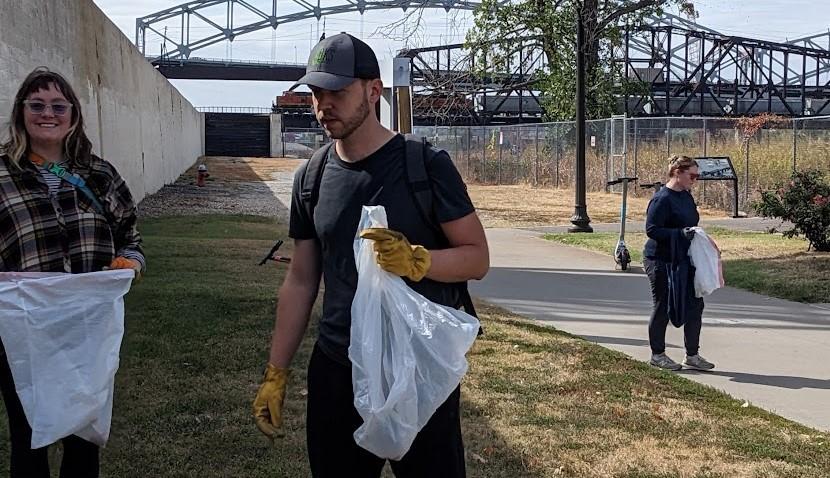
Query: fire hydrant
201	175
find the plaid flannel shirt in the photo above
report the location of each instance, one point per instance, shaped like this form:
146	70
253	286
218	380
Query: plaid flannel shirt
62	232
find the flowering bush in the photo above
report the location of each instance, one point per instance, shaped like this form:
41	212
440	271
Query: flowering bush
805	202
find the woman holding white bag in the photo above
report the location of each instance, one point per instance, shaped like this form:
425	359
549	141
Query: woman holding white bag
62	209
670	221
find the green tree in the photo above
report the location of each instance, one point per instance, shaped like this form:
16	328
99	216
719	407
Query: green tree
502	29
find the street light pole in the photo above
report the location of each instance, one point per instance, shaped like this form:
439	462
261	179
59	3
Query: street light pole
580	218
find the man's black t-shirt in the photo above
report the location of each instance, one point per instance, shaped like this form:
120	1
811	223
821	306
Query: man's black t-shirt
379	179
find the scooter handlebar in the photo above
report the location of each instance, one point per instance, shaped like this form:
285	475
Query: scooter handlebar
654	185
619	180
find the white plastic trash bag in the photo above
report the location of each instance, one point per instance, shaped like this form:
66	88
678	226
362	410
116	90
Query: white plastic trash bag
705	256
407	353
62	334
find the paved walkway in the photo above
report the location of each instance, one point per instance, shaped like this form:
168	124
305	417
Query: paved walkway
758	224
770	352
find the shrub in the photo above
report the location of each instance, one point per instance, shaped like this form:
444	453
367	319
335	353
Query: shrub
805	202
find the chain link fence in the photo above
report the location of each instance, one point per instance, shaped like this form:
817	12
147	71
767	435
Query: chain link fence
544	154
302	142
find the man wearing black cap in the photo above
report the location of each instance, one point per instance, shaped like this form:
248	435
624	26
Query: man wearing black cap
365	166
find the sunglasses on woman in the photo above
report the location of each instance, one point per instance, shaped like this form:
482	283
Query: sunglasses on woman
39	107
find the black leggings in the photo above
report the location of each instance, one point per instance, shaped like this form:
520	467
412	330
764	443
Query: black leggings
659	320
331	419
80	457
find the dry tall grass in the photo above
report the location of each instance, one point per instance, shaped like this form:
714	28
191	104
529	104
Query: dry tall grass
543	155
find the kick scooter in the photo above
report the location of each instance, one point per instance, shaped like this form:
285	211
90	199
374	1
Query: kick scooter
621	255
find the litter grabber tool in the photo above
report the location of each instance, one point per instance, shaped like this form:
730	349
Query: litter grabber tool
621	255
272	254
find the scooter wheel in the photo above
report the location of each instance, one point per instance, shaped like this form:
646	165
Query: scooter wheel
625	259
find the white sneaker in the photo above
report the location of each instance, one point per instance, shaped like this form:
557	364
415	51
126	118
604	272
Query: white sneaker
698	363
663	361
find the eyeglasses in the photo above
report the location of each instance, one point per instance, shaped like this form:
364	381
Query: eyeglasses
39	107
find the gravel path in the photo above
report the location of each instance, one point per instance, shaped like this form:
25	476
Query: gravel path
269	197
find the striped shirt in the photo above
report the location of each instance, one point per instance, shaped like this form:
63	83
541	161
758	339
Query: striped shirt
51	180
50	226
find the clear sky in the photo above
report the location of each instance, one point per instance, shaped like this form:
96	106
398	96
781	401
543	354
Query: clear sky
776	20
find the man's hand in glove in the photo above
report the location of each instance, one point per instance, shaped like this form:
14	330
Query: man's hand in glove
688	233
268	402
396	255
121	262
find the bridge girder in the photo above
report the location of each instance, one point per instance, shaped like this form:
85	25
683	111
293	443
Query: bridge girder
226	29
687	69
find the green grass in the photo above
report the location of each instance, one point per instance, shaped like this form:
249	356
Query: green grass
536	402
567	407
198	329
197	332
768	264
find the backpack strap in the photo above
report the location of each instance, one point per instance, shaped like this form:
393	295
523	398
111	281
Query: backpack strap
418	151
312	178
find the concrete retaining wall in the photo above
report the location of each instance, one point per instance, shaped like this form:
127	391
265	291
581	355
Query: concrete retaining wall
134	117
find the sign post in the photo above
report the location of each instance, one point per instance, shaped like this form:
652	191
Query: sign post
719	168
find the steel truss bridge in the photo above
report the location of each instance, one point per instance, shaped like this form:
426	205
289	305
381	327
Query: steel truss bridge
454	85
692	70
203	23
668	67
675	67
227	19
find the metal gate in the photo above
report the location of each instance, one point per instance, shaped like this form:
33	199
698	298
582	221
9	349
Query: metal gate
237	134
617	165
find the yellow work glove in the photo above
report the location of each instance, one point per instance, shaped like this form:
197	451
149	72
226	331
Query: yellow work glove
396	255
121	262
268	402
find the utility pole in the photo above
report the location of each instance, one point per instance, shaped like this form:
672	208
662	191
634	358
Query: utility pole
580	219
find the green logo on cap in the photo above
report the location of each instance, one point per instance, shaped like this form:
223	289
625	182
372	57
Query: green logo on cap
324	55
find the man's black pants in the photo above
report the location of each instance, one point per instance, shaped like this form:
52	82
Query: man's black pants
80	457
437	452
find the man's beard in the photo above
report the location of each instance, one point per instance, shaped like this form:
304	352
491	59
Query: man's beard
353	122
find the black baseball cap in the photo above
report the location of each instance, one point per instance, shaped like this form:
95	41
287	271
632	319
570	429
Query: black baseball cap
337	61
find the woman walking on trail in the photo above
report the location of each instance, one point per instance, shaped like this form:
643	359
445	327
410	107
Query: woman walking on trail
670	217
62	209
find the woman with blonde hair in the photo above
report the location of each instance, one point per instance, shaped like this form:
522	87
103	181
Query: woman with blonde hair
62	209
670	217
